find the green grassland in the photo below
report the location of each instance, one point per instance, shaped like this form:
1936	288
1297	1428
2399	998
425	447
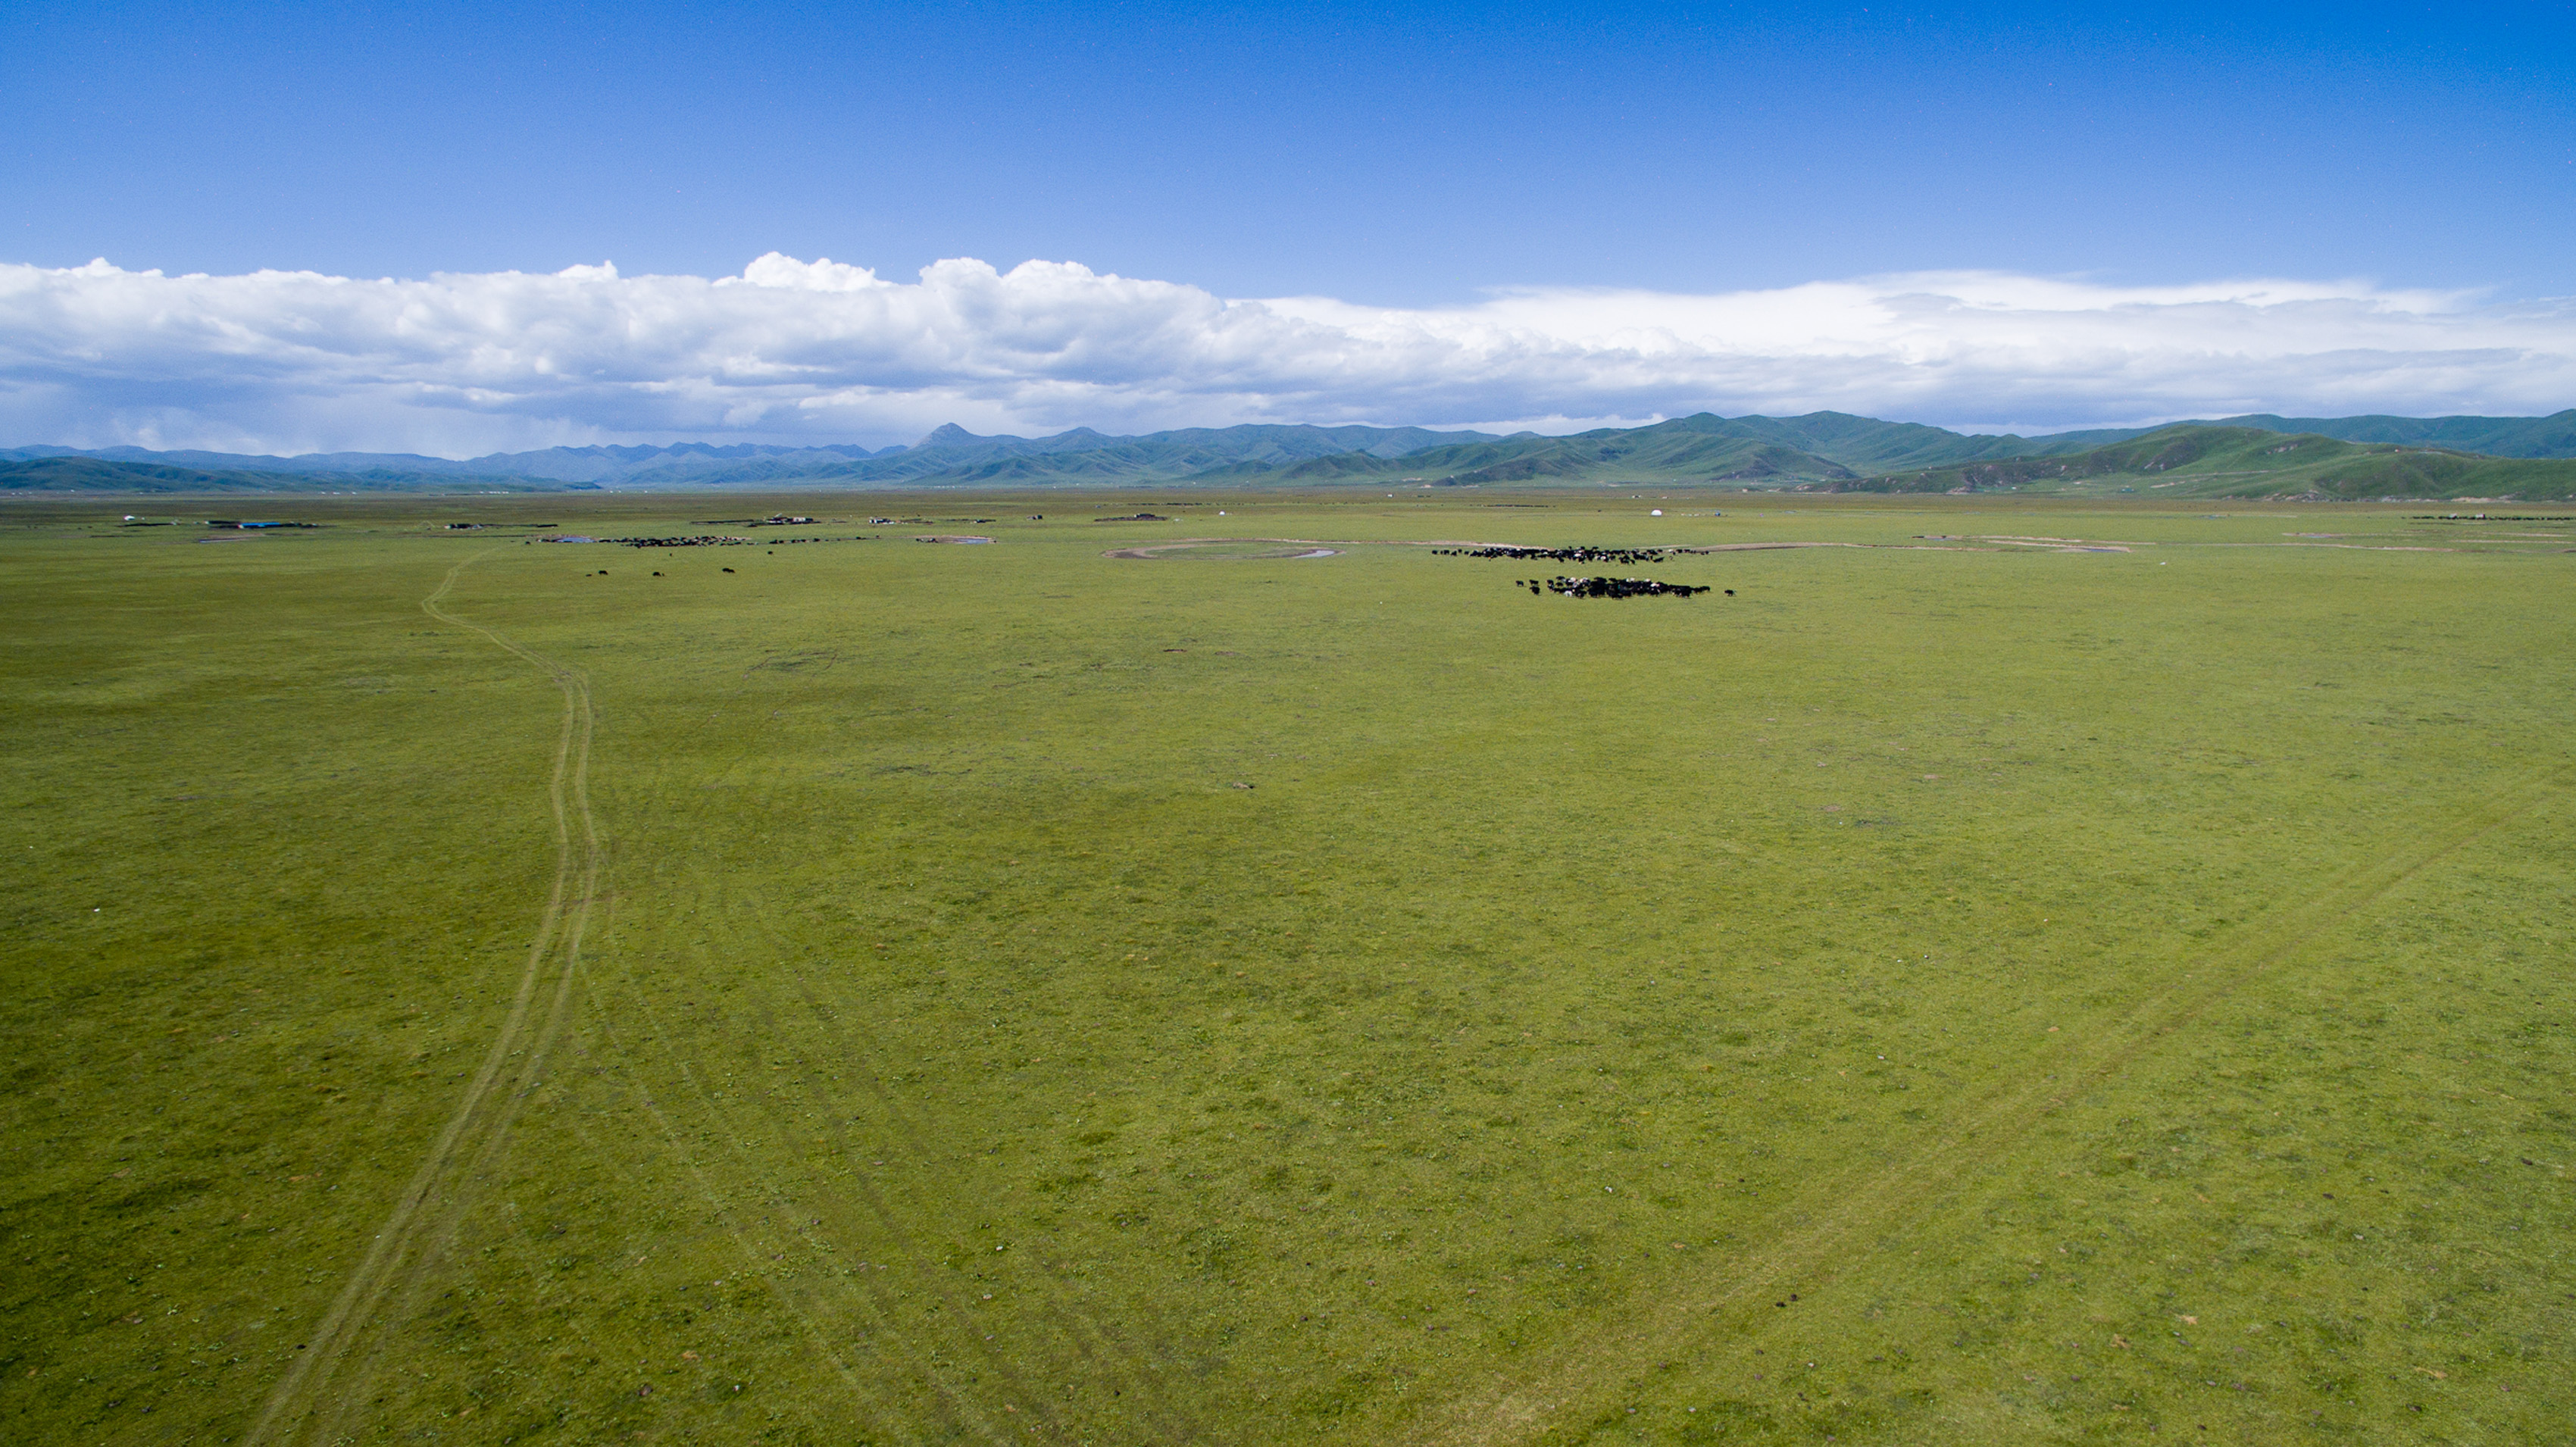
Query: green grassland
2028	972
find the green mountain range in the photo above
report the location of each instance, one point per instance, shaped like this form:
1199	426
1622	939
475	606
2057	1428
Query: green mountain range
2551	436
2524	458
2192	460
84	474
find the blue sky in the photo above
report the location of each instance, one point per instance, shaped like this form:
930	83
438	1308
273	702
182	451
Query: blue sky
1414	160
1388	154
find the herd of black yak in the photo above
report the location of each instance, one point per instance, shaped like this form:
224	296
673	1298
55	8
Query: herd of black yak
1561	585
1558	555
1610	588
1565	587
718	540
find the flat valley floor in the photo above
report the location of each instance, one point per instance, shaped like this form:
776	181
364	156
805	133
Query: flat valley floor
2010	973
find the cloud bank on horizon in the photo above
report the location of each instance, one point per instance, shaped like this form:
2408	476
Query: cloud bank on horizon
462	364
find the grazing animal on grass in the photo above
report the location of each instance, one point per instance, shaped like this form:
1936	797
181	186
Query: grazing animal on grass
1557	555
1619	588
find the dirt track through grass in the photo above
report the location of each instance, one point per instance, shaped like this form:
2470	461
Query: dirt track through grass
1869	1203
1107	1353
423	1220
874	1211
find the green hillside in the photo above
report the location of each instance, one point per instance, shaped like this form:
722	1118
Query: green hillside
2551	436
952	456
2197	461
1708	448
2255	456
97	475
1821	451
1684	450
1867	444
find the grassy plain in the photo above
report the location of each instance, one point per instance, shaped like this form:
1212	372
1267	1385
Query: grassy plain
1949	991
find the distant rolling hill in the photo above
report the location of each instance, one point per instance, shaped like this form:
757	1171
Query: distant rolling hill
2551	436
103	475
2190	460
553	464
2524	457
1687	449
948	454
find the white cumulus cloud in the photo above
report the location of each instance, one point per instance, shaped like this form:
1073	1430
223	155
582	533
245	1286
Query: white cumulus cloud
792	350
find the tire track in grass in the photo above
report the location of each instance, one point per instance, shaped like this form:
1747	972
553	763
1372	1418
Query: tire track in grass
803	1305
924	1261
873	1301
958	1416
854	1294
398	1263
530	1075
862	1211
876	1215
477	1122
1116	1361
1861	1206
799	1304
